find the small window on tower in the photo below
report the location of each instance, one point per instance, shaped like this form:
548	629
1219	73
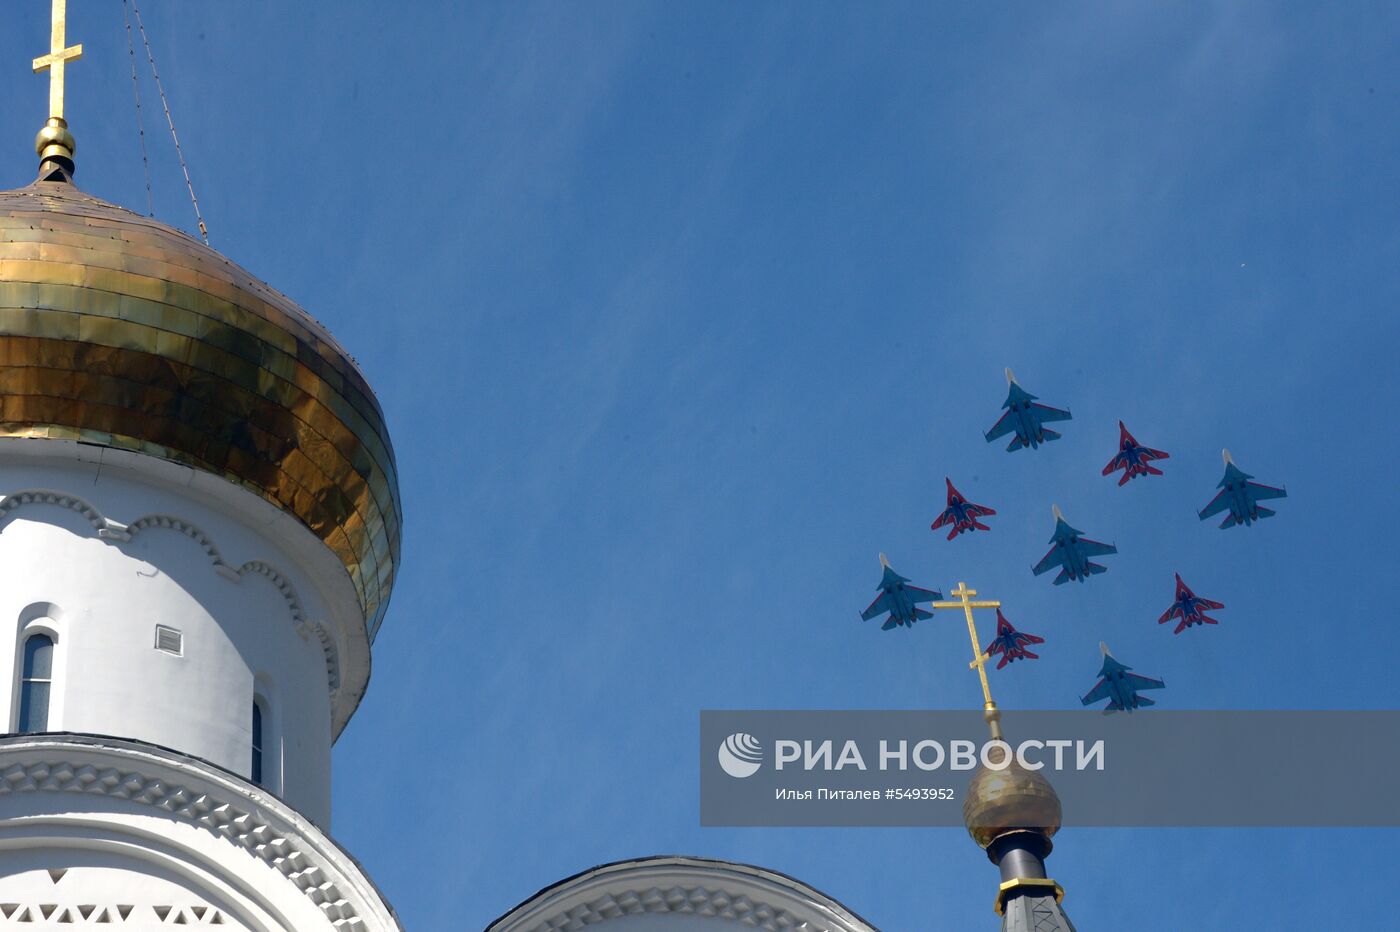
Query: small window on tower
36	680
170	640
257	768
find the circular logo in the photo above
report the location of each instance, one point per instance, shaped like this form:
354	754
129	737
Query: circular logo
740	755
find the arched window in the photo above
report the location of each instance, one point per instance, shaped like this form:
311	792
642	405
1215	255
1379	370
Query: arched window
257	769
36	682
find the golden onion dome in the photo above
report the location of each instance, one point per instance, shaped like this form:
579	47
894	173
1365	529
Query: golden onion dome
121	331
1008	800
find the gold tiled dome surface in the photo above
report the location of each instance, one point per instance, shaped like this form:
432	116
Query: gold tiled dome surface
1008	800
121	331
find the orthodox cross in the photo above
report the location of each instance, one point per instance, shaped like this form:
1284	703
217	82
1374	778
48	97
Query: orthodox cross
58	56
979	659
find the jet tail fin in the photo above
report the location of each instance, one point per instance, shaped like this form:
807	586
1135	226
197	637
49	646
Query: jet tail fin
1263	512
1047	434
1015	445
1144	700
1062	578
920	614
1228	522
1095	568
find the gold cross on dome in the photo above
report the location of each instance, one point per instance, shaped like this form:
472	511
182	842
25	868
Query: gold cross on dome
58	56
979	659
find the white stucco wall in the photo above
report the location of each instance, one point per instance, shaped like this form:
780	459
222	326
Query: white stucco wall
253	613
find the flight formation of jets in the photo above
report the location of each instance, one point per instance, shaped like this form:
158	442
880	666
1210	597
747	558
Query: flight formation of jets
1024	418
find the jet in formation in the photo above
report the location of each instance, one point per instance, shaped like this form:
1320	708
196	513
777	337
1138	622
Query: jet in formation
1025	417
961	514
899	599
1071	552
1240	496
1119	686
1011	644
1133	458
1189	608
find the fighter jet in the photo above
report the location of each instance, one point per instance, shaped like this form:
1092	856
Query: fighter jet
1133	458
1071	553
961	513
899	600
1189	607
1025	417
1011	644
1241	496
1119	686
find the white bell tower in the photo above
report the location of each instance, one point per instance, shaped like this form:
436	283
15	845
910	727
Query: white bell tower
199	528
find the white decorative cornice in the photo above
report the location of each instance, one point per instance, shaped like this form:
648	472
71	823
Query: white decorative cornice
332	655
169	522
289	595
200	794
739	893
106	529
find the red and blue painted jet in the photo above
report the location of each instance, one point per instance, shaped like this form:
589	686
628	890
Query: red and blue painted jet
1119	686
1071	553
901	601
1189	607
1241	496
961	513
1011	644
1133	458
1025	417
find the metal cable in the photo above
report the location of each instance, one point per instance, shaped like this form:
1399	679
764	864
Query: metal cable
140	124
165	104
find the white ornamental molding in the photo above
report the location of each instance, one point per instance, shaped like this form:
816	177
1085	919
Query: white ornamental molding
738	894
172	523
112	532
201	794
107	530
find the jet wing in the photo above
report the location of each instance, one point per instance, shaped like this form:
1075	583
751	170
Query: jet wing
1264	492
943	519
878	607
1047	413
1216	506
1048	562
1002	427
1098	694
1093	548
921	595
1142	682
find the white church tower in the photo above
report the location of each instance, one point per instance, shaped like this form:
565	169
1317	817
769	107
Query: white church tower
199	529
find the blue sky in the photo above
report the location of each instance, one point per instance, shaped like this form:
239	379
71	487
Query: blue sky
681	312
